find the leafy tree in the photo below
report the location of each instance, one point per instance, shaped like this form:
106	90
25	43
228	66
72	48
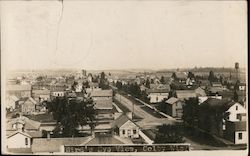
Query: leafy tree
190	111
162	80
174	76
73	87
169	134
70	114
147	83
236	97
212	77
103	82
191	75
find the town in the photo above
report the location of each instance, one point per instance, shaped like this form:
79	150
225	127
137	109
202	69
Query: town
201	108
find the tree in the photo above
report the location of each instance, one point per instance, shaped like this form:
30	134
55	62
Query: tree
191	75
236	97
162	80
169	134
174	76
103	82
73	87
190	111
211	76
70	114
147	83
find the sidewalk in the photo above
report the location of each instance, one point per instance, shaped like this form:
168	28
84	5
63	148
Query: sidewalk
165	115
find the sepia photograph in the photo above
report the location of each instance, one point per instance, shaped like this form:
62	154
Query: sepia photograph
124	77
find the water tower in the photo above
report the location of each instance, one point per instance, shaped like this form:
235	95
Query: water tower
237	70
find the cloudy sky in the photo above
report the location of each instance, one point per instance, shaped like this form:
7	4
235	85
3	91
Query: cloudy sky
123	34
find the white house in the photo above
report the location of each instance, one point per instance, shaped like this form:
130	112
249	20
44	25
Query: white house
158	92
236	112
125	127
11	102
19	139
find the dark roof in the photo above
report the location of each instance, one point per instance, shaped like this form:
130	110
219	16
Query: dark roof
172	100
218	104
121	120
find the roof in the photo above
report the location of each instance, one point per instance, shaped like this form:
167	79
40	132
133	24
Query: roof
19	88
32	100
216	84
35	134
103	104
28	123
41	91
159	86
183	94
92	84
181	75
200	92
106	140
16	132
172	100
158	91
54	144
121	120
218	104
14	98
102	93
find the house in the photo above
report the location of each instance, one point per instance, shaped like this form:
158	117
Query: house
200	92
125	127
236	112
236	132
92	86
79	87
143	88
157	95
242	86
204	84
11	102
18	139
40	95
104	109
19	90
29	106
158	92
185	94
57	93
226	119
174	107
102	95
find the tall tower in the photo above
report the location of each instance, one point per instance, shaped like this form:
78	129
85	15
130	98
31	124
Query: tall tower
237	70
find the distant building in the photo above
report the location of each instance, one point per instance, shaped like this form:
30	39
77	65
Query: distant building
29	106
174	107
11	102
102	95
19	90
185	94
104	109
41	95
158	92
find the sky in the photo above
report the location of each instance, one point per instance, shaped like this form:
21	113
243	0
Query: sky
123	34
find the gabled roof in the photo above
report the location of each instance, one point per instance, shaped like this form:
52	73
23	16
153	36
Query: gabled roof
121	120
106	140
32	100
103	104
101	93
20	132
182	94
28	123
19	88
218	104
172	100
41	92
14	98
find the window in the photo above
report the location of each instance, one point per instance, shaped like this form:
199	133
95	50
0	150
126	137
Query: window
134	131
238	117
123	131
240	136
26	141
236	107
